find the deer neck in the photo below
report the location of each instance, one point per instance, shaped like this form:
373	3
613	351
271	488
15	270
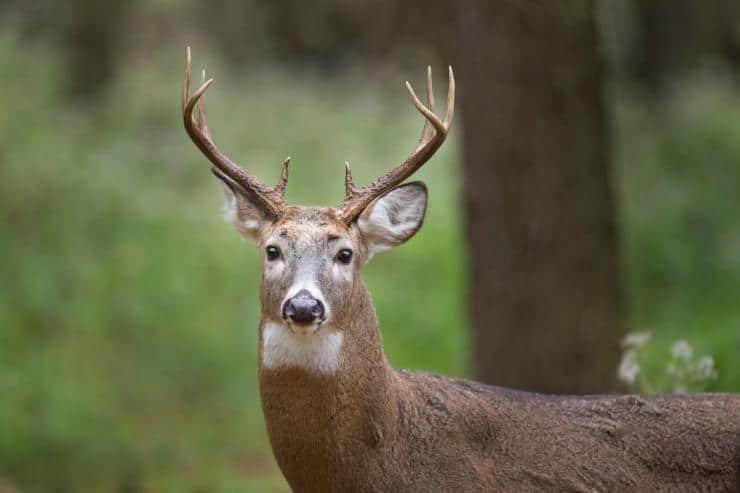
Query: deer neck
322	411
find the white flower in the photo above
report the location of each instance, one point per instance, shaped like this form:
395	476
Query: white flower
635	339
628	367
704	369
681	350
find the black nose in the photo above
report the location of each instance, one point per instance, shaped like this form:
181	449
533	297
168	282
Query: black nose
303	308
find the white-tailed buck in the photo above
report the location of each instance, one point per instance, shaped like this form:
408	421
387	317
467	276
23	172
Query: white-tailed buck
340	418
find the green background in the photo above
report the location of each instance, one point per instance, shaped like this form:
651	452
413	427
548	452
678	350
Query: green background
129	308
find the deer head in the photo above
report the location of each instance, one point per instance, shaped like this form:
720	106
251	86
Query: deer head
312	257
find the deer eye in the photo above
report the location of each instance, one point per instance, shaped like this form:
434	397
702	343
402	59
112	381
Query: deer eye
344	255
273	252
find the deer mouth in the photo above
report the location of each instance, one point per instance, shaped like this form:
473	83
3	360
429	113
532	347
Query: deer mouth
304	329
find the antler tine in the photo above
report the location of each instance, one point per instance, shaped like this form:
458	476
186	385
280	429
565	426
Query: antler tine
433	135
428	130
450	110
283	182
202	121
186	82
270	199
349	184
430	89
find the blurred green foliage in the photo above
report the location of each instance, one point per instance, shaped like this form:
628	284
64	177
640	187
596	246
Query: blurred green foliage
128	308
679	191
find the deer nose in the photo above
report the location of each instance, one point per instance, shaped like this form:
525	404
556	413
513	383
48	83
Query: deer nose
303	308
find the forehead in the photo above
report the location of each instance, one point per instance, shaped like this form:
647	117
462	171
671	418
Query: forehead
310	225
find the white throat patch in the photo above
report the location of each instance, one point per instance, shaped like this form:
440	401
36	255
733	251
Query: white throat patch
318	353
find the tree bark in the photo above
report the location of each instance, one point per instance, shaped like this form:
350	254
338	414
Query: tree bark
673	36
90	36
546	301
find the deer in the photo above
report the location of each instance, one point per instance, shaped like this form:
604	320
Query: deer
340	418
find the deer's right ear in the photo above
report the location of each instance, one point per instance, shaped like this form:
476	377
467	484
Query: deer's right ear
240	211
393	218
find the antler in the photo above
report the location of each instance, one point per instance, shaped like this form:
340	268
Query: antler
434	133
270	199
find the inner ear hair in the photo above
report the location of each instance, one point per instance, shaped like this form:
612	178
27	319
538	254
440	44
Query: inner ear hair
394	217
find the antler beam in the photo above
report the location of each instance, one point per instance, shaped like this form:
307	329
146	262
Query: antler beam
432	136
270	199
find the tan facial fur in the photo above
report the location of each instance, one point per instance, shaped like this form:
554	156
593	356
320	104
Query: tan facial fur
309	240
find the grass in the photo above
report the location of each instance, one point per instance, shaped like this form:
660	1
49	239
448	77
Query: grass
128	308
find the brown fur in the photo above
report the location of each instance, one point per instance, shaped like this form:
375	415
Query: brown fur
369	427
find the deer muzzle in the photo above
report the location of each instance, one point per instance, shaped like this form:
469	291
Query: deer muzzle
303	308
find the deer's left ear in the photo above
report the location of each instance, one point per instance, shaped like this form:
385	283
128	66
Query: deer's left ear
395	217
239	210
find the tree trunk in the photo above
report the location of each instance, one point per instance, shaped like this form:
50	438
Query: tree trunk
546	299
673	36
90	36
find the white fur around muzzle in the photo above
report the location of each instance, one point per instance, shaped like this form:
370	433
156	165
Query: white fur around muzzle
317	353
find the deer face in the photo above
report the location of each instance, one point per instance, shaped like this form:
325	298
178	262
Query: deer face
311	258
